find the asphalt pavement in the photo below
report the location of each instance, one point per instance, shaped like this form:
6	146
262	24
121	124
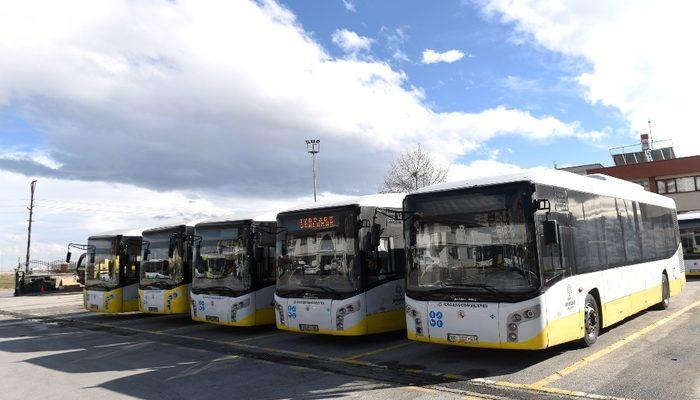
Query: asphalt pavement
51	348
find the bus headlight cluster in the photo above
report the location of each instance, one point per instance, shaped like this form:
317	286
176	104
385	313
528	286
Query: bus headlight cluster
343	311
194	308
238	306
280	312
518	317
415	314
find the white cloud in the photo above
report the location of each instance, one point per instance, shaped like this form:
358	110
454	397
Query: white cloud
349	5
481	168
641	57
178	96
351	42
431	56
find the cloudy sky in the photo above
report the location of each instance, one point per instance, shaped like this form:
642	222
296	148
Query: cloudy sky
131	113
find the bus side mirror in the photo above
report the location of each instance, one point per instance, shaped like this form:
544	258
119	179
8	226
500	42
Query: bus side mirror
92	257
374	235
68	257
550	232
146	252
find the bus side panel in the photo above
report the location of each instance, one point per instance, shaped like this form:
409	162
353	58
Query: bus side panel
417	320
385	307
564	309
130	297
173	301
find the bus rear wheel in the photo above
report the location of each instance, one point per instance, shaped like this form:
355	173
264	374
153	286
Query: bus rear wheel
665	293
591	321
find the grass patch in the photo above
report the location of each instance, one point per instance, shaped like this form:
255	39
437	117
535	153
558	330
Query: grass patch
7	281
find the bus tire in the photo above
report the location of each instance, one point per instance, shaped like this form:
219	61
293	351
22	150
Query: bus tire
665	293
591	321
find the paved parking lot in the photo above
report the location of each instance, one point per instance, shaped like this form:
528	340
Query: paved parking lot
50	341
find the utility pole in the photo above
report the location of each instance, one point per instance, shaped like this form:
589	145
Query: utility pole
313	146
29	230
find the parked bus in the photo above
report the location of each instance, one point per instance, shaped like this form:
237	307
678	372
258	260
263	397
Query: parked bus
567	255
689	224
234	270
166	270
341	267
111	271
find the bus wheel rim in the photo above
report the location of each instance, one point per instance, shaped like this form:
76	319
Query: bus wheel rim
591	320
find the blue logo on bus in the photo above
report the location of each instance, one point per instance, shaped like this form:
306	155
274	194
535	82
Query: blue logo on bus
292	312
435	319
200	305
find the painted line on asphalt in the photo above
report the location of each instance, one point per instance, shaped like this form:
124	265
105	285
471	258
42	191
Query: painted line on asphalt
302	355
256	337
589	359
544	389
373	352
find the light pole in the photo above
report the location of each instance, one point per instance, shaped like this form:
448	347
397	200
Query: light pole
313	146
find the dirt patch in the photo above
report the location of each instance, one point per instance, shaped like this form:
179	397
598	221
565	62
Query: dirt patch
7	280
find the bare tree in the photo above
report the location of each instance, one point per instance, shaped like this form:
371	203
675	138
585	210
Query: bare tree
411	170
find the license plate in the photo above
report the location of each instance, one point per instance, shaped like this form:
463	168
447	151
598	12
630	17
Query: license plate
212	318
152	308
308	328
460	338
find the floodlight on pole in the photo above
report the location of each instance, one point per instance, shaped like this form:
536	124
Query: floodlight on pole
313	146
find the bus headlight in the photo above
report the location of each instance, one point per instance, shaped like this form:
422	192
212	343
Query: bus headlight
238	306
418	322
517	317
512	327
513	337
529	314
343	311
194	308
280	312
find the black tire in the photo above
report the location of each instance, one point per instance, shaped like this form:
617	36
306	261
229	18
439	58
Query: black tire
591	321
665	294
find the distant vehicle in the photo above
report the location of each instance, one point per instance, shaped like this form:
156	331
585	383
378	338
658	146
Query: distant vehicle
341	267
689	224
535	259
111	271
234	270
166	270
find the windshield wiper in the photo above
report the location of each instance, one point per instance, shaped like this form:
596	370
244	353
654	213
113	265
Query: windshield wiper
159	284
325	289
100	285
486	287
217	290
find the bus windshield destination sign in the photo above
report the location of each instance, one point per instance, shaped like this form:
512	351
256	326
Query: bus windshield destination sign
317	222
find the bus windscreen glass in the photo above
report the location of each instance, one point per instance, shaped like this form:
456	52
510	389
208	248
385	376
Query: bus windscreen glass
319	253
222	264
472	241
158	269
103	272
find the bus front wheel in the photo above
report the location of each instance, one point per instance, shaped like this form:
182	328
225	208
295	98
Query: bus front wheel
665	293
591	321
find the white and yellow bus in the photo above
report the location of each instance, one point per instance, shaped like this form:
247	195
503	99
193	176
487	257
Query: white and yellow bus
689	224
341	267
535	259
166	270
111	271
234	270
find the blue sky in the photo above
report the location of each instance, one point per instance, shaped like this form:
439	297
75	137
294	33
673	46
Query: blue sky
498	69
131	112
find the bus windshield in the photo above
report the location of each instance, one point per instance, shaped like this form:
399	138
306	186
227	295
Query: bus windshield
104	271
320	259
474	241
223	262
158	269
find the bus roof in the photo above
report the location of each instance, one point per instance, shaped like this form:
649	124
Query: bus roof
268	216
117	232
595	184
689	215
172	226
383	200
